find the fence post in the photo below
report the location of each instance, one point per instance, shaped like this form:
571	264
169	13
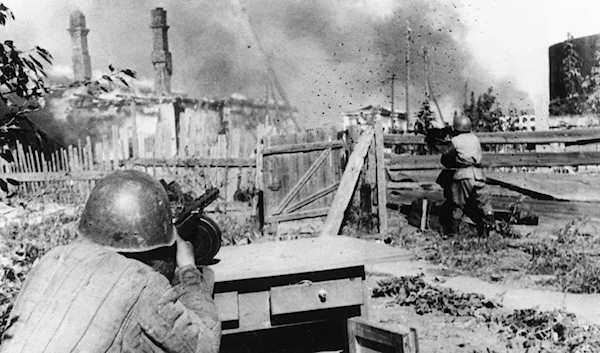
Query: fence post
381	179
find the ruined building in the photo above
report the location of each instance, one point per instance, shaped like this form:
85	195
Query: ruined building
162	123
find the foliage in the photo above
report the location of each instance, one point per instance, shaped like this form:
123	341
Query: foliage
535	330
484	112
22	245
571	64
565	257
582	93
22	90
591	85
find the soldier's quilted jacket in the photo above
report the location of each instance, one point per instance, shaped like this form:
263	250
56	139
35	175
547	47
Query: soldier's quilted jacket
84	298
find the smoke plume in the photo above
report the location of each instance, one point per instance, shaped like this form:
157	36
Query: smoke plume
330	56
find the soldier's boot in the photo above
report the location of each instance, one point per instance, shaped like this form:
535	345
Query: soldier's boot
488	224
452	229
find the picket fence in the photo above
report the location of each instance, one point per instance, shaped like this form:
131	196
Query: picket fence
229	165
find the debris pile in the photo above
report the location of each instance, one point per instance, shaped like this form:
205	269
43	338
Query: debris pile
554	331
414	291
531	329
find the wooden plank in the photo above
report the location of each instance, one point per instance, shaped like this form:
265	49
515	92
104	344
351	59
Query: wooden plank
381	184
275	175
55	176
21	158
259	186
348	182
336	167
290	173
90	153
31	167
362	334
254	310
222	173
304	161
115	147
301	256
494	160
324	174
303	147
193	162
318	212
80	158
233	177
294	191
316	296
550	208
321	193
562	187
575	136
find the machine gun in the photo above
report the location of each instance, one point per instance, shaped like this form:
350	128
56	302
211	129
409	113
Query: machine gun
436	138
199	229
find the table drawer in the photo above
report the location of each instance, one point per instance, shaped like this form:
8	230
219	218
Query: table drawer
316	295
228	306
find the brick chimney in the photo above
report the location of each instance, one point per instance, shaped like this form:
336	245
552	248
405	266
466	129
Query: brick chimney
161	57
82	66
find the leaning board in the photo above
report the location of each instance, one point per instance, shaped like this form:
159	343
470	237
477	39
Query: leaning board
562	187
300	256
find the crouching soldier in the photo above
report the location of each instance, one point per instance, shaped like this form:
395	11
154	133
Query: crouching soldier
463	180
130	285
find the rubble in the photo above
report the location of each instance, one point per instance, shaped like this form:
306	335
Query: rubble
414	291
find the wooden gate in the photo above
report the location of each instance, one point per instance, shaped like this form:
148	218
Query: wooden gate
301	173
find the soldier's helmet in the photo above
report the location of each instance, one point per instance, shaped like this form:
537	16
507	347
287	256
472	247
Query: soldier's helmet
128	211
461	123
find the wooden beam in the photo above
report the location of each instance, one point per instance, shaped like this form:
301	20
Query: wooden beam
494	160
312	198
298	215
347	184
577	136
192	162
502	203
381	186
56	176
303	147
286	200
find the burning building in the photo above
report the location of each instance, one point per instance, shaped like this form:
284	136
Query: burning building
158	122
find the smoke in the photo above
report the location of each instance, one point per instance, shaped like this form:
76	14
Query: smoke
330	56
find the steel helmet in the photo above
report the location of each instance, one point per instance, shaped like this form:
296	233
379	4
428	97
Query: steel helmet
128	211
462	123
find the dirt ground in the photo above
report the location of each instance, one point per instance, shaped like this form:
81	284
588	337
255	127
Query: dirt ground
513	293
538	276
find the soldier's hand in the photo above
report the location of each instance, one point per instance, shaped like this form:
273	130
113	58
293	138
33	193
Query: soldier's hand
208	278
185	253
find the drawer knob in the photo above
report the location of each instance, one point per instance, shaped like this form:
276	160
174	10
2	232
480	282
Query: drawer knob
322	295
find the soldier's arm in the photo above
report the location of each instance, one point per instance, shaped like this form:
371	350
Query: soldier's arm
184	318
187	315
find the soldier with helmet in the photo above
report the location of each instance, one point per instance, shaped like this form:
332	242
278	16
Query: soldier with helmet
463	180
130	285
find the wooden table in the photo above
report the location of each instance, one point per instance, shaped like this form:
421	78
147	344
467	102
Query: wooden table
281	284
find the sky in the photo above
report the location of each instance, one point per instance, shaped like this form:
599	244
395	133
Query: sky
329	55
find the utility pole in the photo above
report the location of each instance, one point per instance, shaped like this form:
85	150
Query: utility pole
407	62
393	79
426	60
